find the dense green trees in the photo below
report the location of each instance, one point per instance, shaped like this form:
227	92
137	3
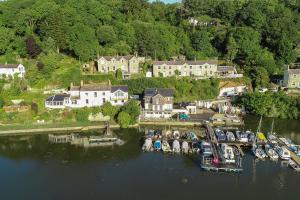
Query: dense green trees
271	104
255	34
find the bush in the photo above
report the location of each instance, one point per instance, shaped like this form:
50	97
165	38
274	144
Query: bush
124	119
109	110
133	109
82	115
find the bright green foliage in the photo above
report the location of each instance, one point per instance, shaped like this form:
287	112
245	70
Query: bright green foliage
109	110
124	119
271	104
259	77
119	75
133	108
81	115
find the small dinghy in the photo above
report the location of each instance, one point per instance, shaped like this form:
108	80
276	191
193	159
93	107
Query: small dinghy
176	146
271	152
294	165
157	145
192	136
147	146
185	147
166	147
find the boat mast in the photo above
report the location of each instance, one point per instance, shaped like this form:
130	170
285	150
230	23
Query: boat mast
272	127
259	125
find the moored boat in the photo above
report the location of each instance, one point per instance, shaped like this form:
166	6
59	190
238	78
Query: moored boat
166	147
206	148
258	151
176	146
221	136
294	165
185	147
283	152
147	146
271	152
227	153
157	145
242	136
230	136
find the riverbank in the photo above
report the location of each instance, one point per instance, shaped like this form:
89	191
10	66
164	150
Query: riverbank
80	127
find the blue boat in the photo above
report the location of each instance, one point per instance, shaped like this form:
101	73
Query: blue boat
157	145
221	136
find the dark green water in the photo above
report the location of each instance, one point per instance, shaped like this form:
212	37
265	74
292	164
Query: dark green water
34	169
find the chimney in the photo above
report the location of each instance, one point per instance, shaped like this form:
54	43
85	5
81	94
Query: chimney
81	83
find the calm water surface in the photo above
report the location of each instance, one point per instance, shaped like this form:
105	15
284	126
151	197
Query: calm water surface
32	168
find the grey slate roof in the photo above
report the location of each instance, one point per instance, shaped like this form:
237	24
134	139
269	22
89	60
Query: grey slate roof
225	68
9	65
150	92
124	88
109	58
189	62
294	71
57	97
91	87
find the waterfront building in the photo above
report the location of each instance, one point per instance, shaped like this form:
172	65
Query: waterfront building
127	64
89	95
292	78
9	70
157	103
230	88
196	69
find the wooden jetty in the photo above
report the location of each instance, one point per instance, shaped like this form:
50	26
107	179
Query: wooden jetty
217	163
294	157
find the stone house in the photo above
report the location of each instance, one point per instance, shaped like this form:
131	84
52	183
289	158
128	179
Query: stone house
127	64
9	70
292	78
185	68
157	103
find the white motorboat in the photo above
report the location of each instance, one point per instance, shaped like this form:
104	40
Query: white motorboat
176	146
242	136
258	152
283	152
148	146
206	148
185	147
166	147
271	152
230	136
227	153
294	165
176	135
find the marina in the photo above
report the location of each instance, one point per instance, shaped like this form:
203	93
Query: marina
223	148
28	161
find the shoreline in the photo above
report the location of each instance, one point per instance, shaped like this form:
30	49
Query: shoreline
55	130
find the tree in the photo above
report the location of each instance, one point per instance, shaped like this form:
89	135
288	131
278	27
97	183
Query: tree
124	119
201	42
133	109
109	110
260	77
231	48
6	38
33	49
1	102
119	74
106	35
82	41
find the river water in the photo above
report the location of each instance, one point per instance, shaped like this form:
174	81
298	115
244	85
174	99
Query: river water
34	169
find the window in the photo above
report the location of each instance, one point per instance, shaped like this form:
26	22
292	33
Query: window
95	94
170	72
104	100
103	93
74	102
170	67
191	67
87	101
123	101
116	101
86	94
158	67
114	68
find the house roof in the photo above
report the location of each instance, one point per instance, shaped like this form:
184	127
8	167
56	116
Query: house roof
109	58
225	68
123	88
95	87
9	65
294	71
58	97
188	62
162	91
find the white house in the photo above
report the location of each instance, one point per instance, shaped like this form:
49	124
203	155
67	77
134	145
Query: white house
232	90
9	70
89	95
